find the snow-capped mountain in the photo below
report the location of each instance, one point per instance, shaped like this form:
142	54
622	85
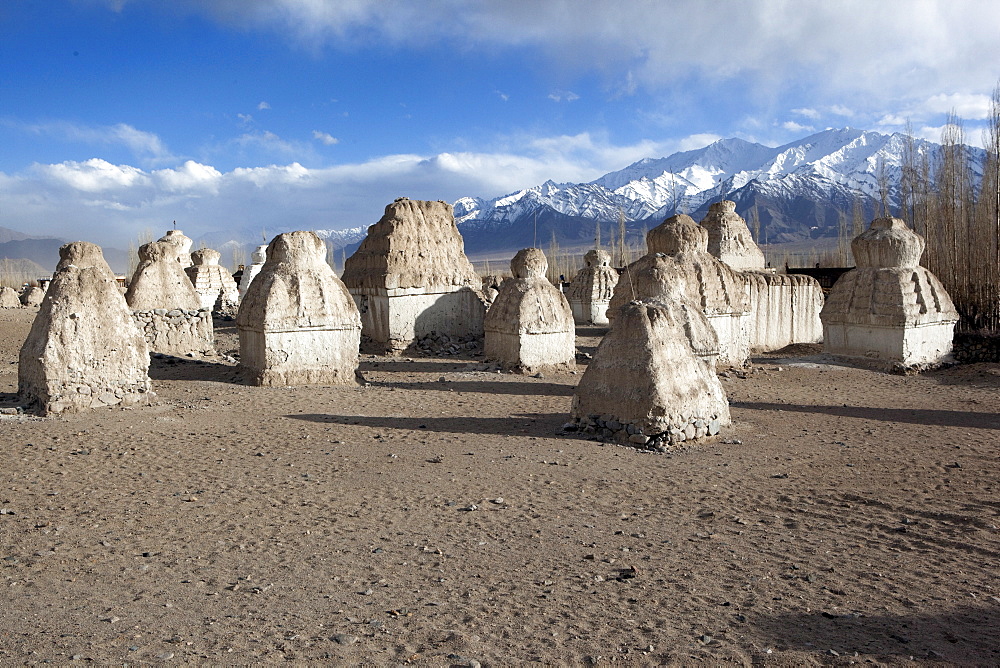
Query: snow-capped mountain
799	190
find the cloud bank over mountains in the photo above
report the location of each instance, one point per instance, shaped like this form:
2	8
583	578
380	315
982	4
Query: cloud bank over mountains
118	202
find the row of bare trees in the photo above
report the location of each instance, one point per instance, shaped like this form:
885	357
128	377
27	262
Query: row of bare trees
954	202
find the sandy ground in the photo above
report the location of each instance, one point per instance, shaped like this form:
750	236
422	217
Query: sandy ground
439	517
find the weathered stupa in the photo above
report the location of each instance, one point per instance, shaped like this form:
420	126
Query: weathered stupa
729	237
9	298
678	255
410	277
652	380
889	309
258	257
213	282
32	296
182	243
297	322
83	350
529	326
165	304
491	287
783	308
590	291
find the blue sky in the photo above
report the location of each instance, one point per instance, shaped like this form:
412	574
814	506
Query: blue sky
120	116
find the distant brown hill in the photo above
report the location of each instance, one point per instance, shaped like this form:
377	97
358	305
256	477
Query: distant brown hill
15	272
44	251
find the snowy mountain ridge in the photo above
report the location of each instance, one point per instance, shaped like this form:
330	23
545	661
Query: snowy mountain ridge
830	166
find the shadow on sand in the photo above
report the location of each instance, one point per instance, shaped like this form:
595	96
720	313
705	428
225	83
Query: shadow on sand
938	418
168	367
964	635
521	424
484	387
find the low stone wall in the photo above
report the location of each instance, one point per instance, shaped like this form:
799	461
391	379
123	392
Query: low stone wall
972	348
176	331
784	309
611	428
77	396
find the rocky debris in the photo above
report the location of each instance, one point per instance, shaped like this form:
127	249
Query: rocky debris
297	323
491	287
439	344
83	350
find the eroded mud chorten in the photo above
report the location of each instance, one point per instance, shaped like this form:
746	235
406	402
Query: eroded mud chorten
729	237
647	384
410	277
297	323
889	308
258	257
9	298
678	255
32	296
182	243
590	292
213	282
529	326
165	305
84	350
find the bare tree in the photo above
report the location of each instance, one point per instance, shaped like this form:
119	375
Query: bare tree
621	237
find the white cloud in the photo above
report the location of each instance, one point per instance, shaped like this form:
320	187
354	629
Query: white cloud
190	177
268	141
695	141
872	51
325	138
111	204
808	113
563	95
792	126
263	105
965	105
891	121
142	144
94	175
